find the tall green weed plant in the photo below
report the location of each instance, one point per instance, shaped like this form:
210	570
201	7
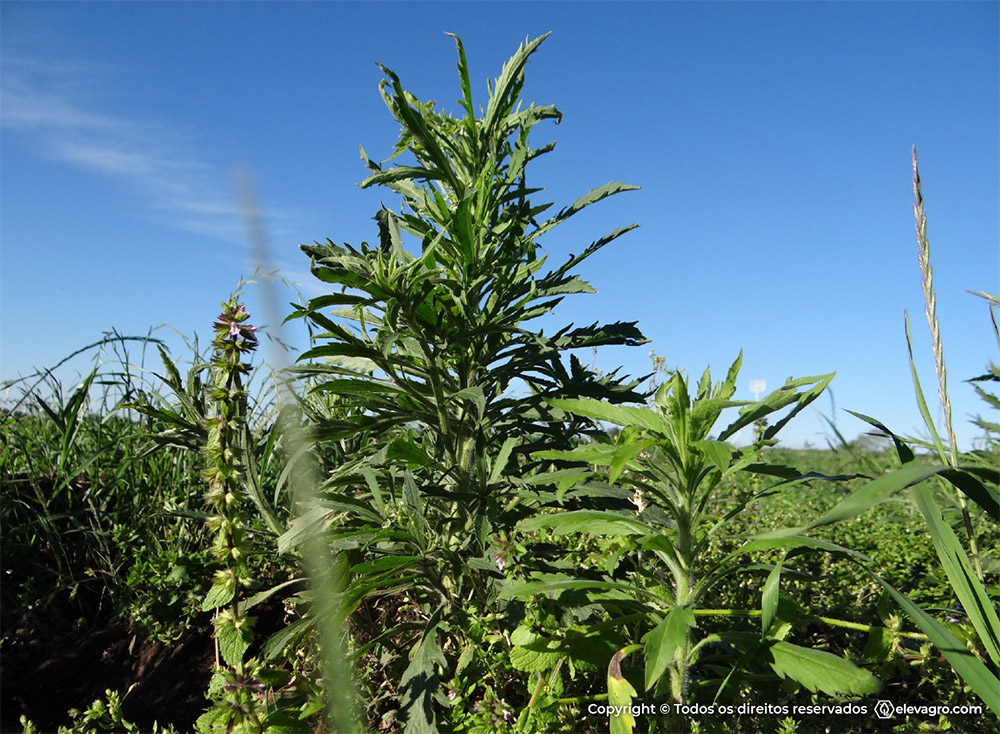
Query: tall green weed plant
428	347
664	490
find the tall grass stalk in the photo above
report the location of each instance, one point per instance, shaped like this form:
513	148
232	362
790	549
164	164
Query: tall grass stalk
930	311
325	576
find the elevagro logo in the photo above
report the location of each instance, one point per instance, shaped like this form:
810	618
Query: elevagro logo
886	709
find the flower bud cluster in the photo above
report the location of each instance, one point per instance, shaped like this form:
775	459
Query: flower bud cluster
226	448
234	338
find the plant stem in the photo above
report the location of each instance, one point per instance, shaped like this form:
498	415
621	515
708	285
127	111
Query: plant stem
930	311
826	620
583	699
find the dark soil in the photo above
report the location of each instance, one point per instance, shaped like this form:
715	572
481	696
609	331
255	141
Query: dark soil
44	678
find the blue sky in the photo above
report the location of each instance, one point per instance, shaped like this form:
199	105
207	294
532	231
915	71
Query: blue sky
771	141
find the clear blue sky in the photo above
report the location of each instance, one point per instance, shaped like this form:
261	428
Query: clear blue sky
771	141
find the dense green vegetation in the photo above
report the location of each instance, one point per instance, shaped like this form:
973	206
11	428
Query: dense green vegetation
459	526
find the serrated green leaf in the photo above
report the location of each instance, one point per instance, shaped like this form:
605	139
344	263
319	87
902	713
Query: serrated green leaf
357	387
600	454
218	595
394	564
283	638
468	653
769	599
787	394
625	452
216	719
372	481
593	522
879	645
594	195
313	520
718	452
474	394
420	681
533	653
500	463
664	640
523	589
621	415
173	376
233	642
818	670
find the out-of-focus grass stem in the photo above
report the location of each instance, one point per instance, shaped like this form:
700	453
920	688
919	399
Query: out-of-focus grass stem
324	580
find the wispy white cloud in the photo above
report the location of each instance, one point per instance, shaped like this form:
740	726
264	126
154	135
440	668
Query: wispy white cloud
24	107
115	158
43	103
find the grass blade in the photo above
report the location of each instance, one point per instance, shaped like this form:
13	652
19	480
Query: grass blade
967	586
971	669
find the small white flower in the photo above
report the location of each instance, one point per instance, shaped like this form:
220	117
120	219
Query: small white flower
638	501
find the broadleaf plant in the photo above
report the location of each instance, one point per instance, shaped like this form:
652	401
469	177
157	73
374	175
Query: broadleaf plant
427	346
663	486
